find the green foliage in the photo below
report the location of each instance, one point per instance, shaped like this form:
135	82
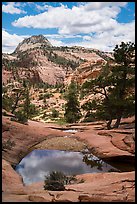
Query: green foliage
42	85
53	57
32	110
55	113
14	99
95	111
89	118
7	102
41	97
25	60
45	96
116	85
56	181
62	90
72	109
61	121
29	109
21	117
48	95
124	52
7	145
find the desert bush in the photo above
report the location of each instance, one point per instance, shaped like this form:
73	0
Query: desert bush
54	113
48	95
61	121
41	97
56	181
21	117
8	145
33	111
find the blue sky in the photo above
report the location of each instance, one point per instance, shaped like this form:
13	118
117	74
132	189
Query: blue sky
99	25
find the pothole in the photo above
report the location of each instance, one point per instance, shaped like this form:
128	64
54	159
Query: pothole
62	143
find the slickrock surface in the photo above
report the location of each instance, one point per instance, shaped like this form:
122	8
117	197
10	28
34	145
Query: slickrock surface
115	144
96	187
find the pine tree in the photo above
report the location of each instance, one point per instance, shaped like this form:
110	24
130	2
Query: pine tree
123	92
72	109
116	84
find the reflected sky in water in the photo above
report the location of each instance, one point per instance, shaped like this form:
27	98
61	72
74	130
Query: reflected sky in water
39	163
70	130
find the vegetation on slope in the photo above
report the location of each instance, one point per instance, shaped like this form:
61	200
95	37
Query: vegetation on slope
113	94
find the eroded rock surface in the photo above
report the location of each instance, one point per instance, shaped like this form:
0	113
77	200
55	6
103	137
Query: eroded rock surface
106	144
96	187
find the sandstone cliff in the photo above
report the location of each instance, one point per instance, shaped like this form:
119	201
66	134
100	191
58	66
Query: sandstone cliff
37	60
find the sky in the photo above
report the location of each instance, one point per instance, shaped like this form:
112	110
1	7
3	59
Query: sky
39	163
99	25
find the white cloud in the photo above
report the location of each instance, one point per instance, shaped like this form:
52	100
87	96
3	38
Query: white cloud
62	36
94	22
57	42
71	21
107	40
42	8
99	5
10	41
104	41
11	8
87	37
35	166
51	19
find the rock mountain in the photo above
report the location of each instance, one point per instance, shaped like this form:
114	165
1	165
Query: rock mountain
33	42
37	60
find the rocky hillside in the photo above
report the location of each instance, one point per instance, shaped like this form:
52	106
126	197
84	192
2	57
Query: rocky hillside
37	60
32	42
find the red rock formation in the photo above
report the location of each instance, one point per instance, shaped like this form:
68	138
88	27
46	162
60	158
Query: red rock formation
102	187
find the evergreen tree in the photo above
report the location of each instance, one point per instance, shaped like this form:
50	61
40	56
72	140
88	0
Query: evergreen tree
123	91
116	84
16	97
72	110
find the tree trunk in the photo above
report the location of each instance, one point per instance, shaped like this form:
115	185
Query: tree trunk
109	124
16	102
117	123
15	106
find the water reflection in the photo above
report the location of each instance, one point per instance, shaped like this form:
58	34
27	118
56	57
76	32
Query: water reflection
70	130
39	163
94	161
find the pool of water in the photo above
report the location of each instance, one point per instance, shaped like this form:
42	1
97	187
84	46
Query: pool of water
39	163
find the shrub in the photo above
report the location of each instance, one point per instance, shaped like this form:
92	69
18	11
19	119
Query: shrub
7	145
56	181
21	117
55	113
33	111
41	97
61	121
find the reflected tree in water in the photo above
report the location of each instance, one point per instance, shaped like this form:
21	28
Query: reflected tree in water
89	160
